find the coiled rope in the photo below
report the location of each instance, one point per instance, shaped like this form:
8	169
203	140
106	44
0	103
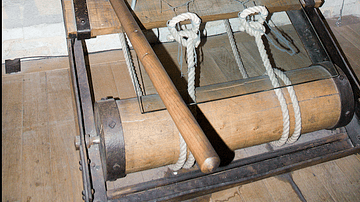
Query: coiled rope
257	29
189	38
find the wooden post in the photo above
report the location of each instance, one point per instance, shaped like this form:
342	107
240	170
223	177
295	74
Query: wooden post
193	135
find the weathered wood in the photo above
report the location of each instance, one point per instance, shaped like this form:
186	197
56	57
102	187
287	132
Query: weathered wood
152	139
155	13
192	133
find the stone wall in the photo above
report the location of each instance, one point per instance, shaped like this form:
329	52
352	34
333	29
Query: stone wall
36	28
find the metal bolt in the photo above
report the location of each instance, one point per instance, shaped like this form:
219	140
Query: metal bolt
77	142
95	140
92	164
112	124
341	77
347	113
80	168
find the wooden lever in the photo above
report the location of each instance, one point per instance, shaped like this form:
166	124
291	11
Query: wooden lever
199	145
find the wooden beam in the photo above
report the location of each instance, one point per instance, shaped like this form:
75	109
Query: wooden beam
155	13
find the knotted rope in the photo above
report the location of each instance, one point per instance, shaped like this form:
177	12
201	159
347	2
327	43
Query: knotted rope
256	29
189	38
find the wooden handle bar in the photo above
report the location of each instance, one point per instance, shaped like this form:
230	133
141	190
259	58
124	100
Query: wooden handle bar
199	145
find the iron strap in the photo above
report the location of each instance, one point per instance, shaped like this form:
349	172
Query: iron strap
82	20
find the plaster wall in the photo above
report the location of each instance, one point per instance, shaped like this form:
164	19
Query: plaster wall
32	28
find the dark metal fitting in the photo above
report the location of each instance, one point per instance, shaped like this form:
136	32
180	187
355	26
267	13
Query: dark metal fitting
77	143
91	140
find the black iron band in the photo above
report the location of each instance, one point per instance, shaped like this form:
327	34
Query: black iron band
346	97
112	145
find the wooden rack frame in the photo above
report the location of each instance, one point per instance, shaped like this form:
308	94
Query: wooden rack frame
197	183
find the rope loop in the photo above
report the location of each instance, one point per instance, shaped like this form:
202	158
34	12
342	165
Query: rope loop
253	27
185	37
257	29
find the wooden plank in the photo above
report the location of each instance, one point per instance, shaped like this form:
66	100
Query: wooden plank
309	185
103	82
66	177
232	194
350	167
255	191
36	167
39	160
12	103
123	83
335	182
156	13
286	193
69	17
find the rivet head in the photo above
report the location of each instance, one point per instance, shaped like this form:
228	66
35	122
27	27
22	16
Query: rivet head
112	124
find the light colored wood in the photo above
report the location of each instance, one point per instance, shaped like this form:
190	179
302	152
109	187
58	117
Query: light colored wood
232	194
69	17
280	190
39	160
240	122
153	14
335	182
199	145
12	108
35	135
255	191
310	187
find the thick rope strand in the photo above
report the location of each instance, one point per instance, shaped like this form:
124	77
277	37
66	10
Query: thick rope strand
130	64
257	29
235	49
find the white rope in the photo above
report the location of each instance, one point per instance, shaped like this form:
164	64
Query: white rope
235	49
182	155
256	29
189	38
130	64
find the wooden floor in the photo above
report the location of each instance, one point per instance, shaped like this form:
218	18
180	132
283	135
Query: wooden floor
40	163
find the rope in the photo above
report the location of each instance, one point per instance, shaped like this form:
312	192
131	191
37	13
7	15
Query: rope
256	29
235	49
189	38
130	64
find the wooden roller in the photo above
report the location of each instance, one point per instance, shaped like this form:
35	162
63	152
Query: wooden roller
193	135
152	140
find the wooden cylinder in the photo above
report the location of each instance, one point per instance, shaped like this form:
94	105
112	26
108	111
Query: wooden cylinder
152	140
192	133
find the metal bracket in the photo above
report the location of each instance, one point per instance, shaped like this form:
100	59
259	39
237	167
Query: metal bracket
82	19
12	66
353	130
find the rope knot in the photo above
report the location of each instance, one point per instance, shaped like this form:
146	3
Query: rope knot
253	28
186	37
